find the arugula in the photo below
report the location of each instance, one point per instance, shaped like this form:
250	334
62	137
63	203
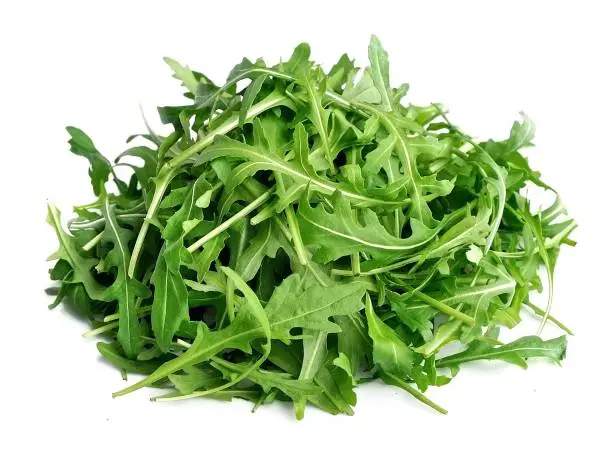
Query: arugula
310	232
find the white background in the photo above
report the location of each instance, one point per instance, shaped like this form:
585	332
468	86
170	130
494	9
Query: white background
91	63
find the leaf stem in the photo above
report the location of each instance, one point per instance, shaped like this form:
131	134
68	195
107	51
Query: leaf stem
294	229
101	329
142	311
539	312
160	190
444	308
227	223
416	393
355	264
93	242
378	270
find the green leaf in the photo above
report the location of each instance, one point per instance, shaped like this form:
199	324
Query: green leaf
112	353
289	307
300	56
202	259
273	205
315	352
377	158
170	303
170	300
364	91
99	167
294	389
390	353
249	97
225	147
265	243
149	169
353	340
124	289
341	233
194	379
69	252
183	74
251	300
515	352
318	114
412	179
470	230
521	134
379	65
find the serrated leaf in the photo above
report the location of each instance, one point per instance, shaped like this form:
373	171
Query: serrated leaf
341	233
183	74
124	289
69	252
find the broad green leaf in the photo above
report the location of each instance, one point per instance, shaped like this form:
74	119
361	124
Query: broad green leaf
311	309
203	258
353	340
390	353
319	115
170	303
249	97
521	134
170	300
376	159
341	73
112	353
194	379
99	167
297	390
408	157
379	65
124	289
342	233
183	74
470	230
364	91
70	252
148	169
515	352
259	160
300	56
315	352
277	201
413	313
265	243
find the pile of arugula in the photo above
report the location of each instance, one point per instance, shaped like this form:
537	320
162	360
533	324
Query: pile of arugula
292	239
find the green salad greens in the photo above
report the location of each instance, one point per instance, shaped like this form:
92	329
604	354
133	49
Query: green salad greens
303	231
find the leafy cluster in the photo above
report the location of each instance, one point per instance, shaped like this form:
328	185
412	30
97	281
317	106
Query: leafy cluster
302	231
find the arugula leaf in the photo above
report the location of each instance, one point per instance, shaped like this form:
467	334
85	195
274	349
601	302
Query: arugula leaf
99	167
295	389
124	289
169	303
515	352
282	203
69	251
341	233
390	353
379	65
183	74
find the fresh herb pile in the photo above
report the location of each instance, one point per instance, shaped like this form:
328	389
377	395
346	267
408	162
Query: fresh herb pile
304	234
